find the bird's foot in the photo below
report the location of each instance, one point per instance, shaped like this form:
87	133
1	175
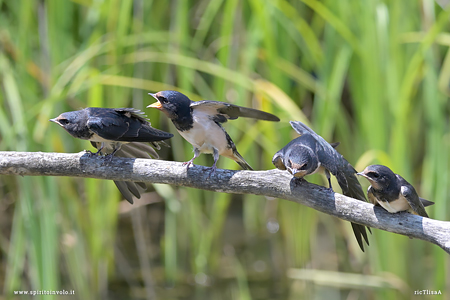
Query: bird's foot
330	188
212	170
188	164
92	154
107	158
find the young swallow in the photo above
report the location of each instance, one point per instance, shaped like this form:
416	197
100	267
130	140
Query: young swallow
309	154
200	124
393	192
115	131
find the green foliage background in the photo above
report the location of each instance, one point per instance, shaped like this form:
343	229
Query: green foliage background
373	75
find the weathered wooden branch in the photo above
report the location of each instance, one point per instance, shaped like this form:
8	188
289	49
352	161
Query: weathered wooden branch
273	183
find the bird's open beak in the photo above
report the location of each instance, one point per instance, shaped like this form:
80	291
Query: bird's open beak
157	104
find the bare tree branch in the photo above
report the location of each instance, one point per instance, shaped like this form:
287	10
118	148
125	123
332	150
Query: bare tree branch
273	183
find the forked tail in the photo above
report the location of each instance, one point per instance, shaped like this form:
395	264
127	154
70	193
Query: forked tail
241	161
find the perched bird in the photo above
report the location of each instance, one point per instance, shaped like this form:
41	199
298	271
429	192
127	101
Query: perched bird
115	131
200	124
309	154
299	157
392	192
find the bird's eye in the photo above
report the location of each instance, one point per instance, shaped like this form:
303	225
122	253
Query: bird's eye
63	121
162	99
374	175
304	166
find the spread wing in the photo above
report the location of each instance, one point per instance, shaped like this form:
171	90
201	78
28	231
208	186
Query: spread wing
224	111
124	125
341	169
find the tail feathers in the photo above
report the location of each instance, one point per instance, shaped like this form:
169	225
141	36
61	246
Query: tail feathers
241	161
360	230
137	150
129	189
131	150
352	188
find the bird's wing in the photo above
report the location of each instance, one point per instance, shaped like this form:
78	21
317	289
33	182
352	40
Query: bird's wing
410	194
133	113
334	162
334	145
301	128
124	125
371	196
224	111
341	169
426	202
328	156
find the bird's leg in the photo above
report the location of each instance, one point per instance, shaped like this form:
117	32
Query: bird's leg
191	162
214	167
108	157
327	173
102	145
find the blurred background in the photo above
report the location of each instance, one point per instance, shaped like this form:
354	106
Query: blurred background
373	75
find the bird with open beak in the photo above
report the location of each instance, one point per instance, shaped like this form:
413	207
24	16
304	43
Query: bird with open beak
200	124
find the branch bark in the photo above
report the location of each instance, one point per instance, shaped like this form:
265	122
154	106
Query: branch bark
273	183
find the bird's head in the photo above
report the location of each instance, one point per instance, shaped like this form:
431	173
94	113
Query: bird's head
301	162
69	121
379	176
172	103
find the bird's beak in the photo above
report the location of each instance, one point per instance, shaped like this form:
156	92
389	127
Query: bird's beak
55	120
362	174
295	172
157	104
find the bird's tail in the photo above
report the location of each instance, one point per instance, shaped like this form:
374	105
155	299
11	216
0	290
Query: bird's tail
131	150
351	188
241	161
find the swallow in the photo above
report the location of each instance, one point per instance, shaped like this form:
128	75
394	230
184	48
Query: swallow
393	192
200	122
309	154
118	132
